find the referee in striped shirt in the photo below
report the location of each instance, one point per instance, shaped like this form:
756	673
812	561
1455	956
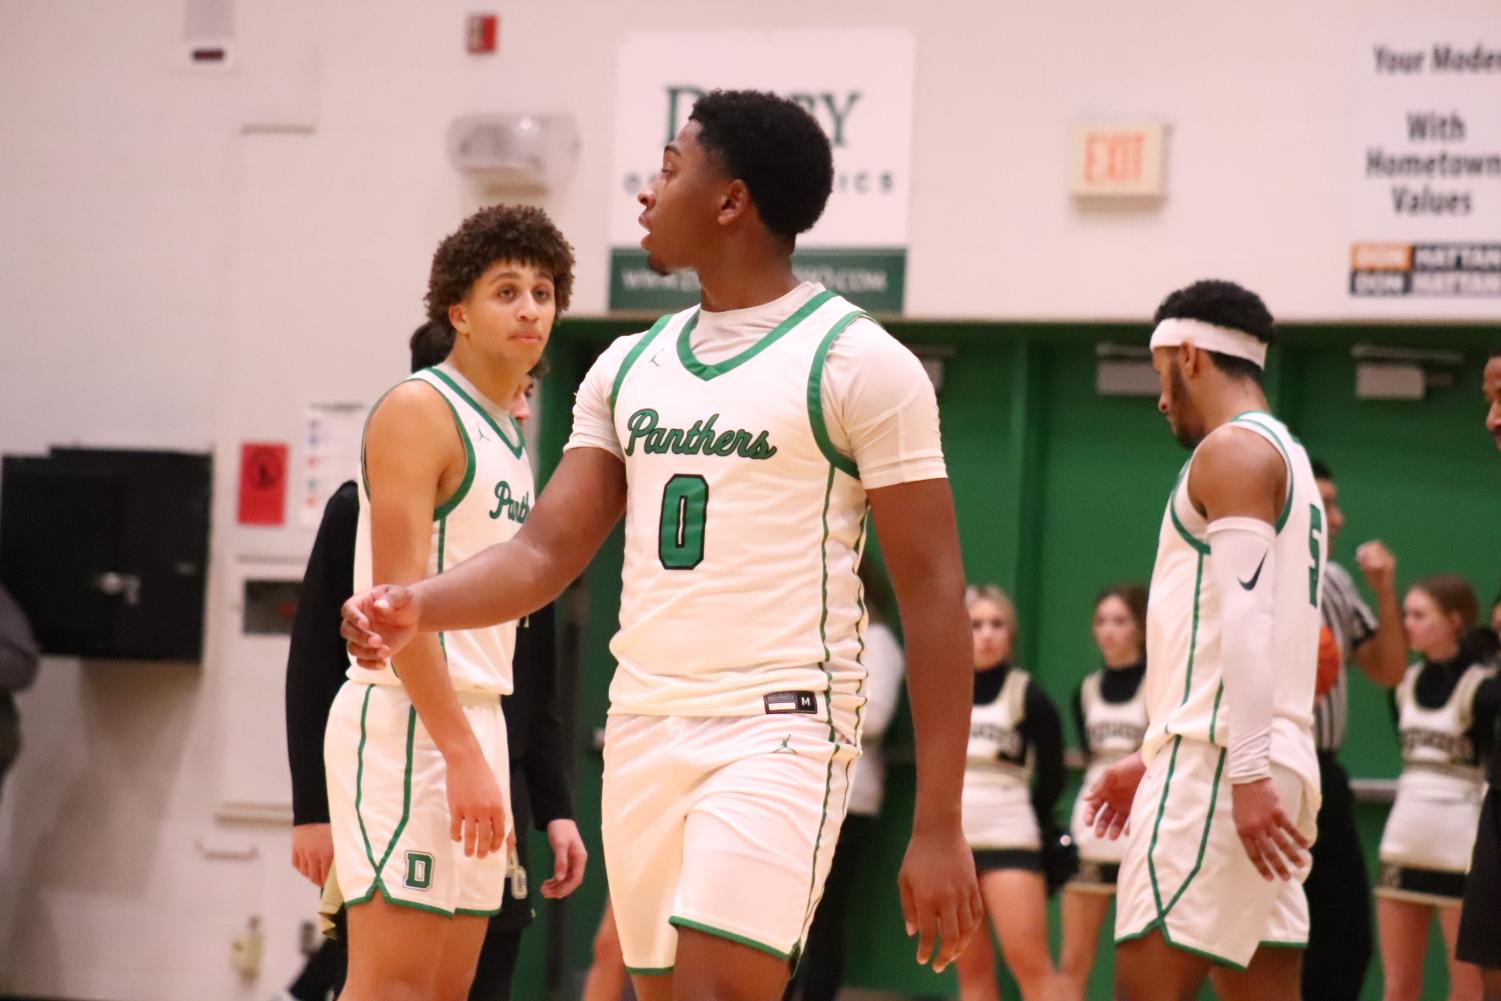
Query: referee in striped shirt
1339	893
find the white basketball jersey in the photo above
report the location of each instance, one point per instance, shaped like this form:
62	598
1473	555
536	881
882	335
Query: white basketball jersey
997	804
489	506
1184	691
743	527
1440	761
1112	730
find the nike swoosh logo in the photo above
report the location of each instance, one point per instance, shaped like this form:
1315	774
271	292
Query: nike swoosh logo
1251	584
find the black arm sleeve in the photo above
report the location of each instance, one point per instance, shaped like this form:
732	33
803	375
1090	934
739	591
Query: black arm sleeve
1077	703
317	660
1487	708
1044	729
545	759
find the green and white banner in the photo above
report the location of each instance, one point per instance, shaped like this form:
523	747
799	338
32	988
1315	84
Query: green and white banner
856	82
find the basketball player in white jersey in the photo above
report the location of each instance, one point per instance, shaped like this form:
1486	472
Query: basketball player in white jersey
744	440
1223	794
415	749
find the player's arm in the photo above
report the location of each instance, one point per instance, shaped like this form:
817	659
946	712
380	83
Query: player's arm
1383	656
882	412
1239	480
316	663
920	542
409	443
582	502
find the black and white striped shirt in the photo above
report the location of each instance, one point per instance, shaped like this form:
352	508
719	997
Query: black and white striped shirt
1352	622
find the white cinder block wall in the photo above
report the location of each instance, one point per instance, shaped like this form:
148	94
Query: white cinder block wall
169	279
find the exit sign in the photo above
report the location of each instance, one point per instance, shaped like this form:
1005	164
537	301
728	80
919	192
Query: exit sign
1119	161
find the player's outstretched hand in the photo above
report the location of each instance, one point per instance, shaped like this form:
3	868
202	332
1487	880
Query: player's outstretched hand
1107	804
940	897
476	809
568	858
378	623
313	851
1271	840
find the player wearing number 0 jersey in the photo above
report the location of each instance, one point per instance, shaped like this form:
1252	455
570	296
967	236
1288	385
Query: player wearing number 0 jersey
748	438
745	440
1228	777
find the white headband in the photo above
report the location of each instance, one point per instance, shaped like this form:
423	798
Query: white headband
1208	337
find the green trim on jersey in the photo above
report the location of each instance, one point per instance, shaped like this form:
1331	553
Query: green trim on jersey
1214	717
442	544
632	355
470	465
406	800
1193	633
728	936
1287	508
517	446
815	397
707	372
1212	957
648	971
1160	922
1172	510
828	701
385	895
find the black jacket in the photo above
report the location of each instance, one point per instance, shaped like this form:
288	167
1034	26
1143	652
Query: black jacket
317	663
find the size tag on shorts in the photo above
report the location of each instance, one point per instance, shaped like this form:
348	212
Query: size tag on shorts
791	702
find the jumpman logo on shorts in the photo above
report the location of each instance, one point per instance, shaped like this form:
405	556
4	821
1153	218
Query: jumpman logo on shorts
785	747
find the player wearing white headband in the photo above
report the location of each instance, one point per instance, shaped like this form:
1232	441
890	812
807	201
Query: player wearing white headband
1226	785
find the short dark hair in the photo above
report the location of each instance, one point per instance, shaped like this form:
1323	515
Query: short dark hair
430	344
1321	470
777	148
1224	304
1496	350
520	233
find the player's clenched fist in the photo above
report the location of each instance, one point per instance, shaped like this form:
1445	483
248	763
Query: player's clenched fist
378	623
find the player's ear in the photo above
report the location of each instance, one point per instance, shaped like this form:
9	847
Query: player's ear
735	202
1189	358
458	318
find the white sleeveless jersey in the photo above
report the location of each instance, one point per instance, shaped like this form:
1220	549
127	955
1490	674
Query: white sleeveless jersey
997	804
1440	761
489	506
1184	692
1112	730
743	528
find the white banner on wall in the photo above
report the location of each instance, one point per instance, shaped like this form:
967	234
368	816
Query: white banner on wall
1426	201
857	82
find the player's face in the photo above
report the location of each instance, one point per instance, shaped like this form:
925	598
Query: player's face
1429	631
1115	632
681	203
1493	397
1174	402
1332	510
992	634
508	314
